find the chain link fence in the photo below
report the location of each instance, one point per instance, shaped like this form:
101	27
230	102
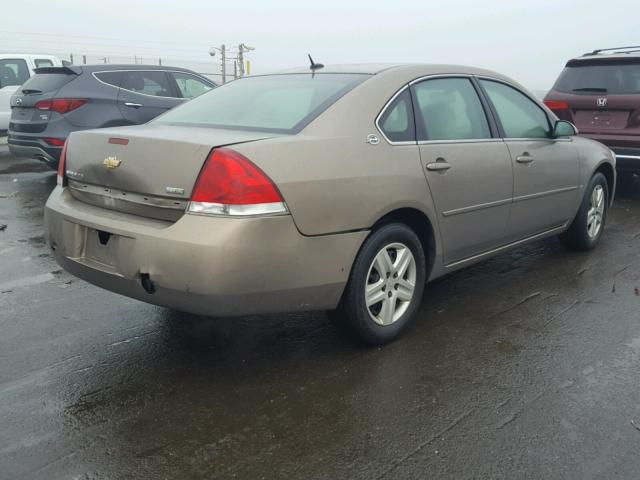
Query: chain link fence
210	70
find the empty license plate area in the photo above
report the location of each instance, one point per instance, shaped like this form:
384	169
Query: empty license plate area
606	119
101	247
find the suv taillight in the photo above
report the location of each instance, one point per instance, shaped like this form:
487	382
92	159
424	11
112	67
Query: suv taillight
62	165
230	184
61	105
555	105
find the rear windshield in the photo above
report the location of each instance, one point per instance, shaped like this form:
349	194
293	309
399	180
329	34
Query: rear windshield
607	77
47	82
271	103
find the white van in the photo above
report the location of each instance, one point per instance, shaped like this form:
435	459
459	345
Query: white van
15	69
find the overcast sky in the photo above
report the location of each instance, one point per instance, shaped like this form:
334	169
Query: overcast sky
530	41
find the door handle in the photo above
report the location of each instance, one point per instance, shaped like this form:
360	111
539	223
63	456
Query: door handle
525	158
438	166
132	105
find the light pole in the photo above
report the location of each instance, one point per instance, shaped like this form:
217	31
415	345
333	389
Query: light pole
223	59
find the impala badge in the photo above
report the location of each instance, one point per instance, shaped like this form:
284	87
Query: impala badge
175	190
111	162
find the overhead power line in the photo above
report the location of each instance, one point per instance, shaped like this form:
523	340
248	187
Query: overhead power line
110	39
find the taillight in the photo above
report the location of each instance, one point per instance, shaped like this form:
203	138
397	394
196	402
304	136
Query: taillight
229	184
62	165
556	105
61	105
54	142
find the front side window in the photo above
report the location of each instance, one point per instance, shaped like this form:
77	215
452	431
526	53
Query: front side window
147	83
397	120
270	103
520	116
190	86
13	71
449	109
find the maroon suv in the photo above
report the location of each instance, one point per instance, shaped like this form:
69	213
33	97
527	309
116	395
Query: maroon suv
600	94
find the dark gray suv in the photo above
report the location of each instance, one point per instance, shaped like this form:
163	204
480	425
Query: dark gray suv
59	100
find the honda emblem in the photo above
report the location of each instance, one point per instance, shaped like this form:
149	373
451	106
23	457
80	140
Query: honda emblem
601	102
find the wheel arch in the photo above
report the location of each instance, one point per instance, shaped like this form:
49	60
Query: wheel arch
610	174
420	223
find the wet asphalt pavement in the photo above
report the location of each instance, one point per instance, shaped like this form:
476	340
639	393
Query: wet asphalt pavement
524	366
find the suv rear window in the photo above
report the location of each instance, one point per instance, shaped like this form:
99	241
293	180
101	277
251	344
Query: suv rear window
270	103
602	77
47	82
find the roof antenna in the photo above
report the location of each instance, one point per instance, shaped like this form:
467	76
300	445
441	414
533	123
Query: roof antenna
314	65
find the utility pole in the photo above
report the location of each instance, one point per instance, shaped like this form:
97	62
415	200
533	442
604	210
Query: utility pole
223	59
238	62
242	48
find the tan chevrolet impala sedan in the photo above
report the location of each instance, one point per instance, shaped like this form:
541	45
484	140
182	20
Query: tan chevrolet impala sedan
339	188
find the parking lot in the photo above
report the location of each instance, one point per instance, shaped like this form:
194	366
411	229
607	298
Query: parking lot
523	366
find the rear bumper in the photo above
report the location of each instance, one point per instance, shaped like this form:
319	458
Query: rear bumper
37	149
627	159
203	265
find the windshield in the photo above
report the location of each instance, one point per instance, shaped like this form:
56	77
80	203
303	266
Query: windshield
271	103
611	78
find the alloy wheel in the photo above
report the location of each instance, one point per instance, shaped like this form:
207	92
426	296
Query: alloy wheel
391	283
595	213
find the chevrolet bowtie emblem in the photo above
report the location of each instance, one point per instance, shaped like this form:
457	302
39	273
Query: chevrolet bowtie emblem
111	162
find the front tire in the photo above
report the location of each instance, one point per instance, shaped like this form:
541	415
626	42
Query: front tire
586	229
385	286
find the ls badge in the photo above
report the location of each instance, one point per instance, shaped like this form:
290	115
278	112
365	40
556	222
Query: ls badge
111	162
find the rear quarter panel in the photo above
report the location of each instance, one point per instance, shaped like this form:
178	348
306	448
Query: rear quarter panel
102	108
337	184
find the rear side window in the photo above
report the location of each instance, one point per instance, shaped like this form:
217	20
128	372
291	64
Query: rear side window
47	82
589	79
189	85
520	116
153	83
13	71
449	109
43	62
397	120
110	78
270	103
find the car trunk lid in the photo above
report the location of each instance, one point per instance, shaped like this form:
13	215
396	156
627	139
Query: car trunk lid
148	170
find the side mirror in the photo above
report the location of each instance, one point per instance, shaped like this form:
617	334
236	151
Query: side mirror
562	128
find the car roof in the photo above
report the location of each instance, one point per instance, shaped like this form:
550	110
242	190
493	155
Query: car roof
604	59
27	55
409	70
109	67
365	68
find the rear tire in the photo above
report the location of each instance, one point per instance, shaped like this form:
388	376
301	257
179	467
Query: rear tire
385	286
586	229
